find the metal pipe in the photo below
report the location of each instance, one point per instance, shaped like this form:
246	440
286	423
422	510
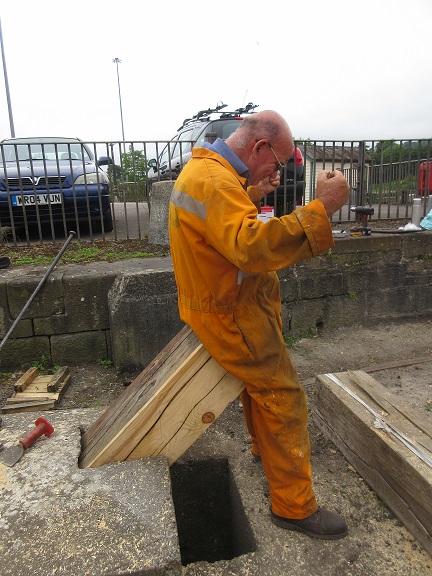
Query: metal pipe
11	122
38	287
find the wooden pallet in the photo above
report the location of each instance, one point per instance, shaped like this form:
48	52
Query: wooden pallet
35	391
400	477
165	409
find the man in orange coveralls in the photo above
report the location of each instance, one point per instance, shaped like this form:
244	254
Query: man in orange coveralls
228	292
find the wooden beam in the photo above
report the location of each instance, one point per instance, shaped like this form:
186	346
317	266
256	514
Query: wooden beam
399	477
27	378
28	406
165	409
397	364
59	380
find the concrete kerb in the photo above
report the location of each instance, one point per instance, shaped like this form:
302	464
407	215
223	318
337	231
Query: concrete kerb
59	519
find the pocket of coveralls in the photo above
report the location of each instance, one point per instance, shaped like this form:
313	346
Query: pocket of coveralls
257	316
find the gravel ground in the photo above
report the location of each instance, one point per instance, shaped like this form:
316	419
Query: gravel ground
378	544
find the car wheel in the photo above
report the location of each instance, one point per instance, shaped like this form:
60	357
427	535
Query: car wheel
108	222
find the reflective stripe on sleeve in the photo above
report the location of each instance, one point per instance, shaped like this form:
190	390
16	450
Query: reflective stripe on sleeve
186	202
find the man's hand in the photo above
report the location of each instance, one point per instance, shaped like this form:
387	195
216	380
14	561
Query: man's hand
332	189
268	185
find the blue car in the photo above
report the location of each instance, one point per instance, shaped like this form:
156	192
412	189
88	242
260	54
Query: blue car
53	180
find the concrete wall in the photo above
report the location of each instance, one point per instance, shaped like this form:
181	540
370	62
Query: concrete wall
128	311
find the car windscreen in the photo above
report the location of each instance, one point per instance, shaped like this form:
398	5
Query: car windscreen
39	151
222	128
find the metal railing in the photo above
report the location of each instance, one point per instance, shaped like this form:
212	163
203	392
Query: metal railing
103	190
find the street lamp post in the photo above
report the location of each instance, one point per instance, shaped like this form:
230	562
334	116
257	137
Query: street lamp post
11	123
117	61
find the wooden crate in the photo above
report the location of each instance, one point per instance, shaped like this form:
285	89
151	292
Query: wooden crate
400	477
165	409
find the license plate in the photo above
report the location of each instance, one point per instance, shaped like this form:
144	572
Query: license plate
32	199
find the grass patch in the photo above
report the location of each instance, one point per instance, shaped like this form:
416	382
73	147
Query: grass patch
105	363
82	252
45	366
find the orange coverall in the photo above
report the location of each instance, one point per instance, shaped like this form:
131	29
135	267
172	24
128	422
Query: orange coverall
228	292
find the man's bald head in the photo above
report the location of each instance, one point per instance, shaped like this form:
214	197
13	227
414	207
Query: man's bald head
259	137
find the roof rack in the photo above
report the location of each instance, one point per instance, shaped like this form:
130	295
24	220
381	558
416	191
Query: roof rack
246	110
203	115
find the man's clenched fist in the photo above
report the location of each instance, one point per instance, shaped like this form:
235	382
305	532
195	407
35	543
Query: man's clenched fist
333	190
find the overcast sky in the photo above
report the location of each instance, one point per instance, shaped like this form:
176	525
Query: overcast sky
334	69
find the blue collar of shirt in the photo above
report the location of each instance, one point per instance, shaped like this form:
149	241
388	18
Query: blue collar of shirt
221	148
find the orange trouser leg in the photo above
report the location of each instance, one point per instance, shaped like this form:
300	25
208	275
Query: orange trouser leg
284	450
247	411
247	341
279	435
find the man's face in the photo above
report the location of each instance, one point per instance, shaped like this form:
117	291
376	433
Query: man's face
267	159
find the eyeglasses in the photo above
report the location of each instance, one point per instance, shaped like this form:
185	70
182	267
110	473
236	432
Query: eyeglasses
279	164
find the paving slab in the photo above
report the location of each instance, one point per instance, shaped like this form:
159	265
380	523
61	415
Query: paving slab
58	519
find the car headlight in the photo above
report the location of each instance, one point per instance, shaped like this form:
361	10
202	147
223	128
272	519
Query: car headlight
91	178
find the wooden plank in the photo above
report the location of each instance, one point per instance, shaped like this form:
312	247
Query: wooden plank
394	472
59	378
390	403
190	413
397	364
167	396
27	378
63	385
28	407
39	384
22	397
137	393
141	420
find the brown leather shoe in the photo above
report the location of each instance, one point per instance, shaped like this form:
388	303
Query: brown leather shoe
321	524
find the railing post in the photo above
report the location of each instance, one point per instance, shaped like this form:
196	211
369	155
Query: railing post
361	180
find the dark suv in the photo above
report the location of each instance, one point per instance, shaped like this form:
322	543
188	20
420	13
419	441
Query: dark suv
205	127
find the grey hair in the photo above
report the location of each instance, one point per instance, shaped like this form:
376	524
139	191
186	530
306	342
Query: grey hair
255	126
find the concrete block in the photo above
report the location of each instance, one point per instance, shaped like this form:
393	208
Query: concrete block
85	299
421	299
158	223
372	278
289	285
4	310
143	316
319	283
23	329
417	245
57	518
301	316
22	352
56	324
48	300
78	348
345	310
389	303
374	243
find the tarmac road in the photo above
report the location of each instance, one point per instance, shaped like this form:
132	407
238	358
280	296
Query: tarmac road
131	222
